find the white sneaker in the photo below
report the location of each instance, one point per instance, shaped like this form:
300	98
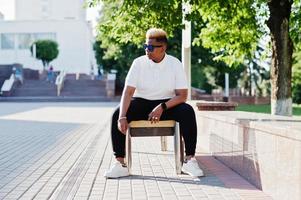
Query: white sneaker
191	167
116	171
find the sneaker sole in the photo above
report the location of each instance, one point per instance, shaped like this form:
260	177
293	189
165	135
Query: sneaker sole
186	172
114	177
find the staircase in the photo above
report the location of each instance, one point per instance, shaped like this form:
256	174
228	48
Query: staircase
35	88
84	87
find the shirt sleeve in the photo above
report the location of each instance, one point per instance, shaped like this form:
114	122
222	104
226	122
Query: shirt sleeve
181	81
132	76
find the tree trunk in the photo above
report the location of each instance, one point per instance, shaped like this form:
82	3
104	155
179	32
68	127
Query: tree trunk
282	49
44	65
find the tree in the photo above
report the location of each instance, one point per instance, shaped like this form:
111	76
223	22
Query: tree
112	54
231	29
235	27
282	51
46	51
106	64
207	72
121	61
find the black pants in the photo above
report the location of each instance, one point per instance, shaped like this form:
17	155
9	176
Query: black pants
140	108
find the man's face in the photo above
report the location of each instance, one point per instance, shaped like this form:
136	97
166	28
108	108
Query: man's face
155	50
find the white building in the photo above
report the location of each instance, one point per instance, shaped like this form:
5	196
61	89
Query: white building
61	20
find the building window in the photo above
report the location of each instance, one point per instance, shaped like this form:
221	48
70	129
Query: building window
7	41
44	36
24	40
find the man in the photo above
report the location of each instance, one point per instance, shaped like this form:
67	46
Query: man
155	89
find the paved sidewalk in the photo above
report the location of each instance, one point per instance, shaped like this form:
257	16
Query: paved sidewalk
61	150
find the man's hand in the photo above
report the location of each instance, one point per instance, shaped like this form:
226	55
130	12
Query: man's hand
156	113
123	125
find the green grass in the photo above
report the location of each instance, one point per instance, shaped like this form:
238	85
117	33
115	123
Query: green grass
265	109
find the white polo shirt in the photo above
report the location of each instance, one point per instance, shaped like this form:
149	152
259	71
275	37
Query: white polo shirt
156	81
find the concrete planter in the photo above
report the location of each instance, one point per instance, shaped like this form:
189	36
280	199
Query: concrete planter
264	149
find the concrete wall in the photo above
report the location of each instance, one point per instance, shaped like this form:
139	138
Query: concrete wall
264	149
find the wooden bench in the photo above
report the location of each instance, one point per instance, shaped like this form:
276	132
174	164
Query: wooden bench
162	128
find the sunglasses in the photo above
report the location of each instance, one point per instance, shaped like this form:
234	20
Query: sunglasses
150	47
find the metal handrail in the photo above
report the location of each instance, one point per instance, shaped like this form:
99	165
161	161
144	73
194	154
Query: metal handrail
8	84
59	81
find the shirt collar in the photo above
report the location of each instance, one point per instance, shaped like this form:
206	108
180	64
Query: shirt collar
161	62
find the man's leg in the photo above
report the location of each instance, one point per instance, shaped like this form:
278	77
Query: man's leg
138	110
184	114
118	138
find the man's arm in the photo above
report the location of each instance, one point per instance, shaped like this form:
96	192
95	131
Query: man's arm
126	97
181	97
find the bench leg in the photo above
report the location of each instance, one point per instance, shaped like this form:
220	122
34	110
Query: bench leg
128	151
182	150
177	144
163	143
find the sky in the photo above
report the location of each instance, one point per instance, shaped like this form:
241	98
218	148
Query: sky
7	8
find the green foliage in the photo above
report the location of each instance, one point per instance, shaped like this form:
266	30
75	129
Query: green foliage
199	79
203	65
208	74
229	30
296	78
119	41
121	63
46	51
129	19
296	110
232	30
295	24
297	94
255	75
125	22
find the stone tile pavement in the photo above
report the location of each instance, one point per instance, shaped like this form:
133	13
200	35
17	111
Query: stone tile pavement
61	150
